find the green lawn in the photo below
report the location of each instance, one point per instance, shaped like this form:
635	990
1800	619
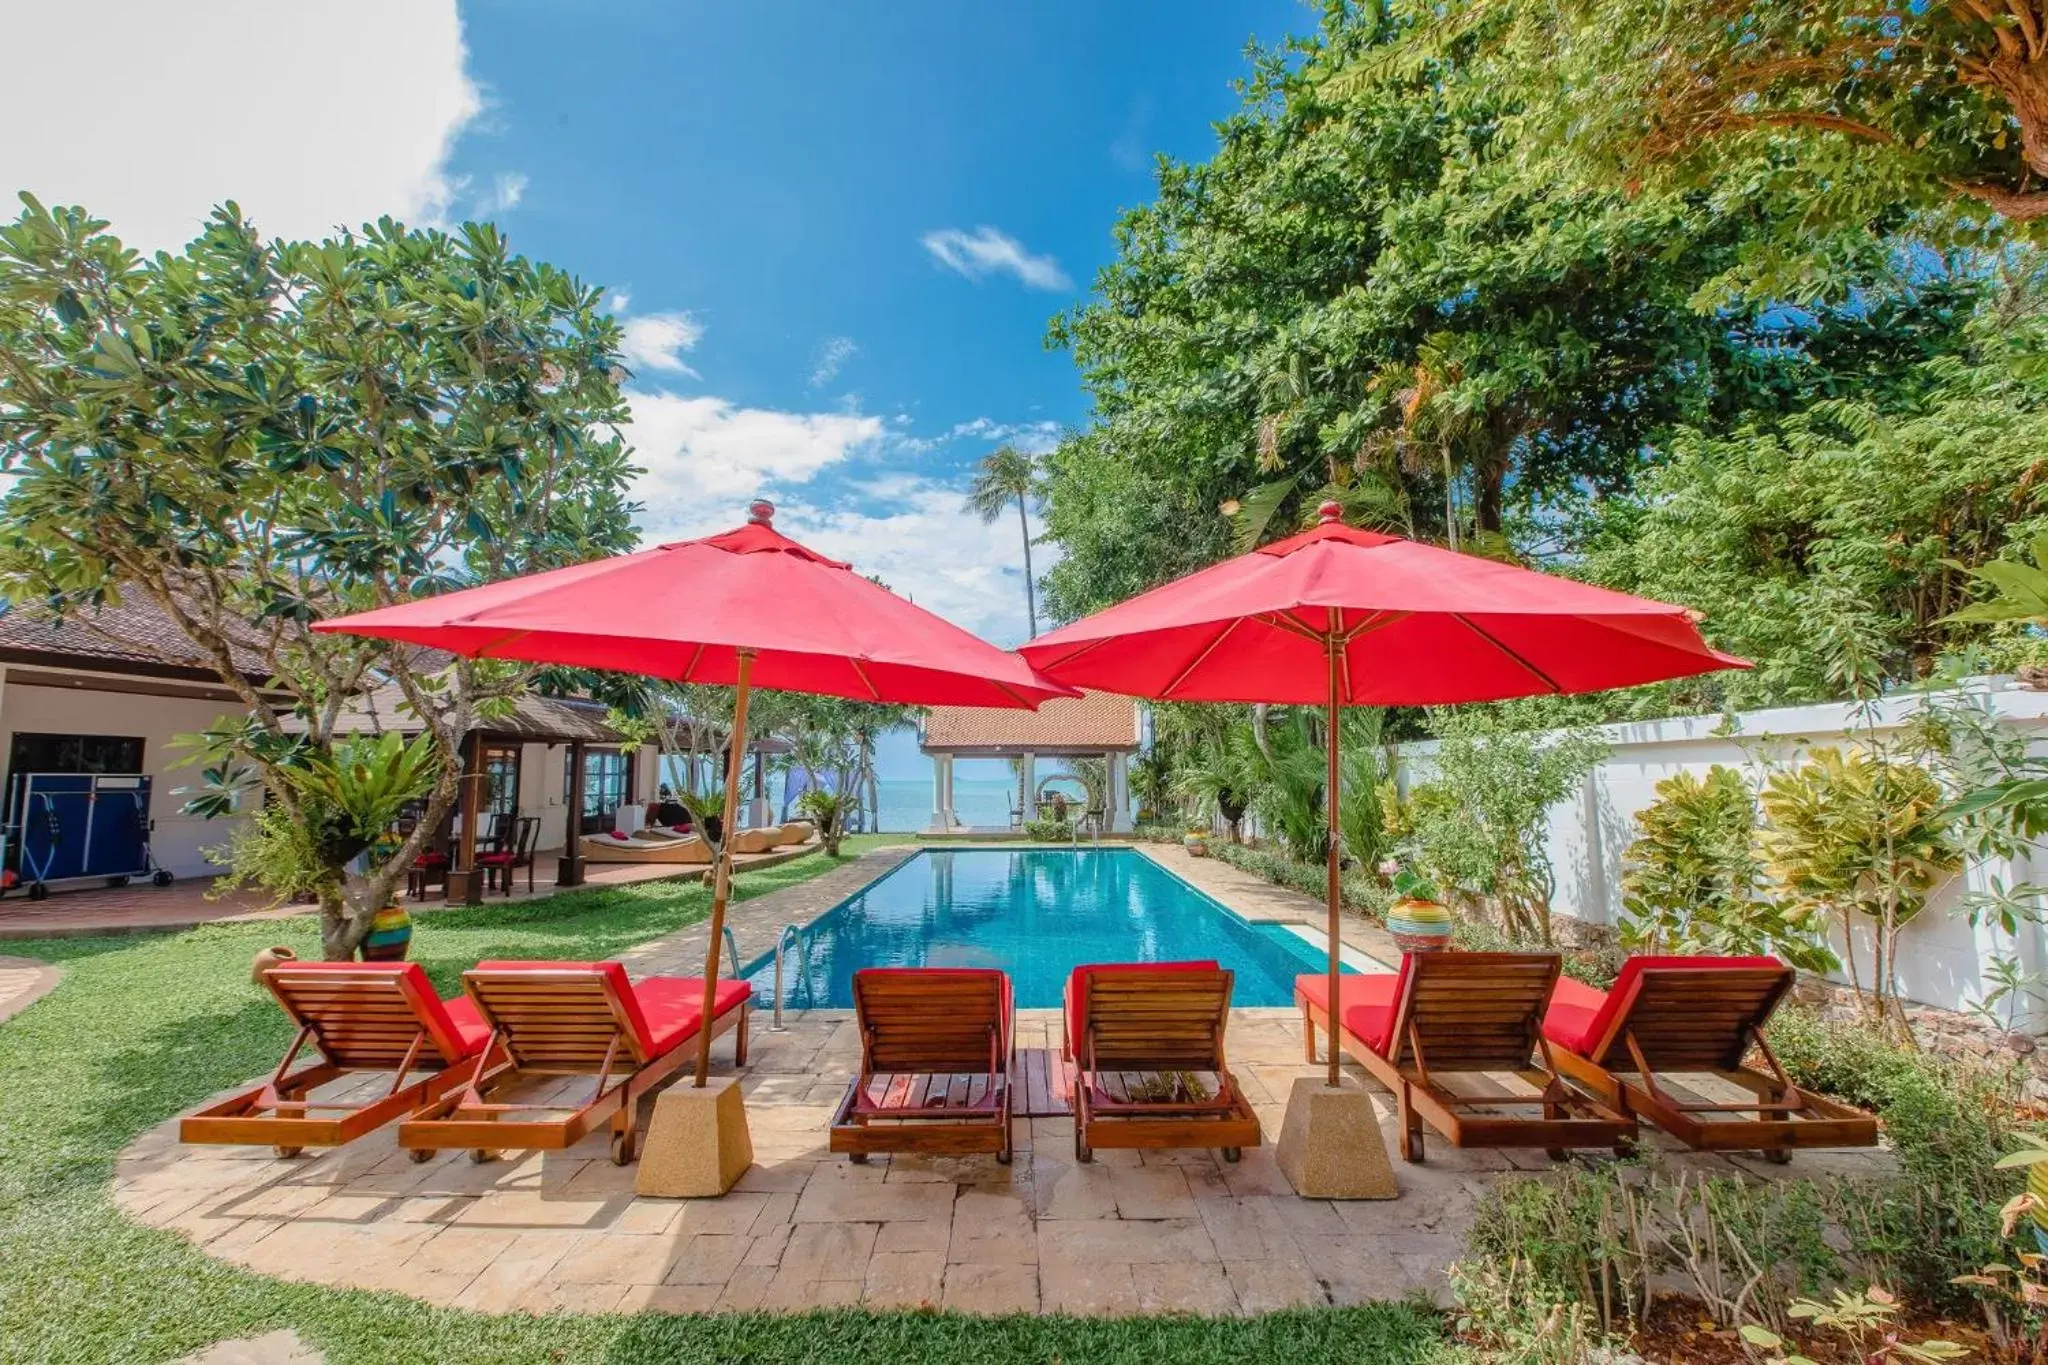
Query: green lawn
144	1026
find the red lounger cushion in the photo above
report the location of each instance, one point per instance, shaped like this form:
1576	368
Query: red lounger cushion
1074	1004
1581	1016
660	1012
1366	1002
1008	1004
453	1026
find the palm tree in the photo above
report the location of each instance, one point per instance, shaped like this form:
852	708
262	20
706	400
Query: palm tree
1005	475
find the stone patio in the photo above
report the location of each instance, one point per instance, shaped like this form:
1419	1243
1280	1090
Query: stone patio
1129	1233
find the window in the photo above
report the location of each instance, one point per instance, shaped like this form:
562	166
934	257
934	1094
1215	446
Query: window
34	753
501	779
607	782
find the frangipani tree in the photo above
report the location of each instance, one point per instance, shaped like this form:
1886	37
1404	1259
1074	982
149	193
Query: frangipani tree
255	434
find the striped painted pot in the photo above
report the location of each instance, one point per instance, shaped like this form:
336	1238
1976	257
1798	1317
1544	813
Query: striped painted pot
1419	926
389	937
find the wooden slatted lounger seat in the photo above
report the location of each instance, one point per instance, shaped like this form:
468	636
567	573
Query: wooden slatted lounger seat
572	1019
1147	1042
1446	1013
360	1017
1669	1016
934	1064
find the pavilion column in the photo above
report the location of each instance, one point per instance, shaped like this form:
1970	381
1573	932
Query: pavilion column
1119	793
942	791
1027	781
569	870
465	884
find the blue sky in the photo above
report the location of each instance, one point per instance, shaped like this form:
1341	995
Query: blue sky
835	232
851	224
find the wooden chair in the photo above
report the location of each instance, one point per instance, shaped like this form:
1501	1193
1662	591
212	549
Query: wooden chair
1670	1016
934	1064
572	1019
1447	1013
1147	1041
360	1017
515	850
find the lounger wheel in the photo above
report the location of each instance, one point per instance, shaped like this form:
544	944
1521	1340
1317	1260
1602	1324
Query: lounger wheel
857	1158
1233	1154
1777	1156
1003	1158
1082	1151
418	1154
287	1152
622	1149
117	881
1556	1153
161	878
37	891
480	1155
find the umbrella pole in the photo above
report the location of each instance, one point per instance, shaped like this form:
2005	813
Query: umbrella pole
1333	889
721	877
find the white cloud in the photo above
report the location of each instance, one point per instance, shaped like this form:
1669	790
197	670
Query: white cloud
986	251
657	340
926	546
1033	438
310	115
507	189
705	456
834	353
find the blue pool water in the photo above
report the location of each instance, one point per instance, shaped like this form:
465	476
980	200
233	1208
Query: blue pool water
1036	914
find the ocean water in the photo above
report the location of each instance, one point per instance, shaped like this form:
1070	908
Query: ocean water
907	802
1036	914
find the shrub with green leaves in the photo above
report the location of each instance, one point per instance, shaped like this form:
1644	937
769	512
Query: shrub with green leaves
1692	882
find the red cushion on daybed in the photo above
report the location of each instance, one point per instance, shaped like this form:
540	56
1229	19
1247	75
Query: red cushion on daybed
1074	1006
660	1012
1580	1017
1366	1002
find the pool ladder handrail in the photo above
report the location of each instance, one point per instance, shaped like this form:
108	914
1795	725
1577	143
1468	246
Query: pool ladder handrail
790	931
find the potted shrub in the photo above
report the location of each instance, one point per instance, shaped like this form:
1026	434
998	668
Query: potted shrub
824	809
1196	842
1418	920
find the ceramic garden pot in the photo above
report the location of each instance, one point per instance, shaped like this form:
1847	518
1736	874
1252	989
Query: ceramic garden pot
1197	845
389	937
1419	926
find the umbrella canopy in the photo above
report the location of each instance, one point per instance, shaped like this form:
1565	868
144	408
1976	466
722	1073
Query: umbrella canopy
1337	616
748	608
687	611
1414	625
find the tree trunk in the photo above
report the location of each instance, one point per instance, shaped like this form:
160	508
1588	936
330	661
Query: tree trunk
1486	497
1030	592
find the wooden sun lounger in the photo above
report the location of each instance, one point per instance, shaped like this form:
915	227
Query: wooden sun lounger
1147	1040
1669	1016
934	1064
359	1017
604	848
1446	1013
572	1019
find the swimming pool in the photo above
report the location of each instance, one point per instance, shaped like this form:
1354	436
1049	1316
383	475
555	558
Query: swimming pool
1035	913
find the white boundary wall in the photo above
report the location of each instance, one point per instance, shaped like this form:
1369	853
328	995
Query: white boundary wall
1942	959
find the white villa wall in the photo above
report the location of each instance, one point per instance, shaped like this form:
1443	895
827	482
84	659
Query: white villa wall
1942	960
178	839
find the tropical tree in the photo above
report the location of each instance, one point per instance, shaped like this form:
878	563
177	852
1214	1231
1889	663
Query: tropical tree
1006	475
255	434
1426	332
1840	110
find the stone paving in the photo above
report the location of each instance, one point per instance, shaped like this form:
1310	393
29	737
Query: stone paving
1129	1233
23	981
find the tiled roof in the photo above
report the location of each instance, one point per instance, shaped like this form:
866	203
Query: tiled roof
1097	721
542	719
135	632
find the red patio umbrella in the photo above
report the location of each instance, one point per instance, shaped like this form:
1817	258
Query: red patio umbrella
748	608
1337	616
